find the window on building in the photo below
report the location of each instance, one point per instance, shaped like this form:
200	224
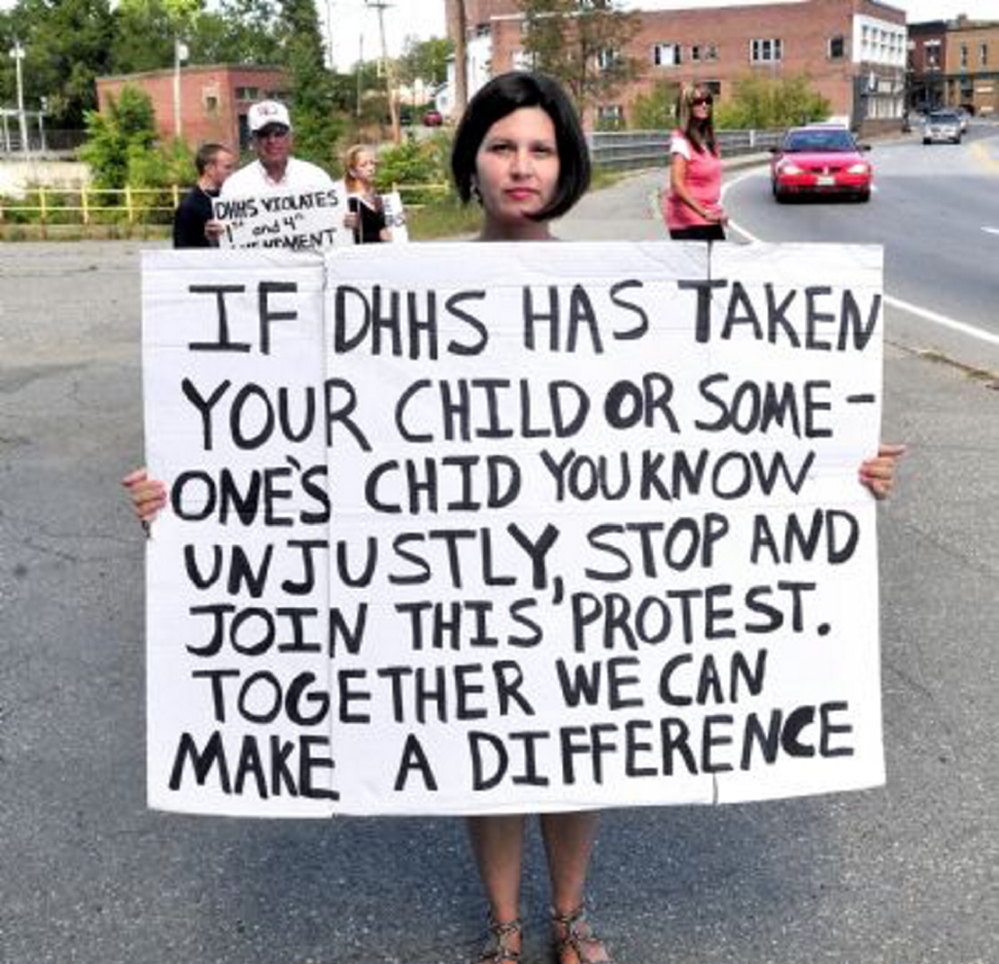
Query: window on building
983	54
281	95
520	59
483	30
608	58
711	52
931	54
837	47
695	53
964	55
765	51
714	86
211	103
247	93
610	116
666	55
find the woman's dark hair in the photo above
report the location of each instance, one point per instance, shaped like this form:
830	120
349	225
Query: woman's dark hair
502	96
700	134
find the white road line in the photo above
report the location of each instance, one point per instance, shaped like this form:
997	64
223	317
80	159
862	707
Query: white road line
933	316
959	326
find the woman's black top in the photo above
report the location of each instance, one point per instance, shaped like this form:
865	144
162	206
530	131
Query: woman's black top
371	220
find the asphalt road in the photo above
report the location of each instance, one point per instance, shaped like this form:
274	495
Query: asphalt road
905	874
936	211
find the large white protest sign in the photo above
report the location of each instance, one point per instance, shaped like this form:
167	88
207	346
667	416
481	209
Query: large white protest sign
553	526
310	220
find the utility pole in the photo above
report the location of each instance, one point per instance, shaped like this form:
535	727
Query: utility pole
329	32
457	30
360	69
387	69
180	55
17	52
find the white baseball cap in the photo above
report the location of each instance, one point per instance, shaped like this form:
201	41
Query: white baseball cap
267	112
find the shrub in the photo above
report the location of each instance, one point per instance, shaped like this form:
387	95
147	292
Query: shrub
655	111
416	162
767	103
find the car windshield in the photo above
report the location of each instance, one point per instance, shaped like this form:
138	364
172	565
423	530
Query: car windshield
834	140
944	117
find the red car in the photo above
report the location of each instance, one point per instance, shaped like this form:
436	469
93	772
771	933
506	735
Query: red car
820	159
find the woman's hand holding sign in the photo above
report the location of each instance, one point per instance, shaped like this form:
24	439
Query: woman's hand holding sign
878	473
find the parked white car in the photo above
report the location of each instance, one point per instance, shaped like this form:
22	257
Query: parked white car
942	125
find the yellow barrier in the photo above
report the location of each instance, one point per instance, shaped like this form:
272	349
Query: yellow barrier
133	210
48	209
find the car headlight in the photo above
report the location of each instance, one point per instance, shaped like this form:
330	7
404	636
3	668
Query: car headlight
857	169
789	168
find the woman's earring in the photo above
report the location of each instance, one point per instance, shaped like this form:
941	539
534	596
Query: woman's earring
475	192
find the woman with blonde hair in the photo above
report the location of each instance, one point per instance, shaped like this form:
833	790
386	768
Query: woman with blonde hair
367	215
691	208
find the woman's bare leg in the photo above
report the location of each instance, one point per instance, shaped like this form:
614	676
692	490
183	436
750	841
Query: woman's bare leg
569	839
497	843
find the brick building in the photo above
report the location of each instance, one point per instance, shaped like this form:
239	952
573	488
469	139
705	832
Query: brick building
213	99
853	50
927	64
971	77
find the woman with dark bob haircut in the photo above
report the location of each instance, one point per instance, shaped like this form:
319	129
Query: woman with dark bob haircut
498	99
519	151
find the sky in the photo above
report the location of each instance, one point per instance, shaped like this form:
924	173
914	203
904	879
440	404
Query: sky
425	18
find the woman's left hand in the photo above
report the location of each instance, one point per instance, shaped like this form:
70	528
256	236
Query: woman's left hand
351	220
878	474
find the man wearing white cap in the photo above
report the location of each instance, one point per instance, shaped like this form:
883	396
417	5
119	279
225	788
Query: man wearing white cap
275	169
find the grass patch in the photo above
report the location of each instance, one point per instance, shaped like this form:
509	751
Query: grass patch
83	232
602	177
446	218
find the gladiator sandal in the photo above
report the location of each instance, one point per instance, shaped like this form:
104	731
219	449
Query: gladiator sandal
497	949
573	932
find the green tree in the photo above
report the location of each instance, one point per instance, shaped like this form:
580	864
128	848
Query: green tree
236	31
248	34
314	93
145	33
119	138
66	45
765	102
425	60
582	43
656	110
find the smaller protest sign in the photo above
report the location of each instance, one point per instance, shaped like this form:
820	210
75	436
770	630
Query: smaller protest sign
297	220
395	216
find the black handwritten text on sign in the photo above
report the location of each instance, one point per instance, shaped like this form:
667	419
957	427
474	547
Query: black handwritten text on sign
534	527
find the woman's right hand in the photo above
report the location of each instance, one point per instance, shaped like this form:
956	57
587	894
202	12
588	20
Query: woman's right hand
148	495
214	229
715	214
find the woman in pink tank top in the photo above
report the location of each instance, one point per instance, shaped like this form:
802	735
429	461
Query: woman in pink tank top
691	209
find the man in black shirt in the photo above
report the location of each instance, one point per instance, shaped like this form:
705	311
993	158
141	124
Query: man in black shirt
214	163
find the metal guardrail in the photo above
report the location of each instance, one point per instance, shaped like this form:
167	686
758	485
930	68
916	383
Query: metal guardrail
41	143
629	150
